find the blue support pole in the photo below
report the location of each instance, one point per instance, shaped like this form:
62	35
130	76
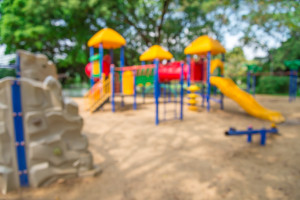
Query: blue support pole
19	127
222	95
189	70
143	89
112	72
290	86
203	95
134	89
100	60
253	85
111	54
92	64
249	138
263	137
181	92
248	81
295	83
165	102
122	62
156	92
208	81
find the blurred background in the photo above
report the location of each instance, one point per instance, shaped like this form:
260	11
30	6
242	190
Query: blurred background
262	33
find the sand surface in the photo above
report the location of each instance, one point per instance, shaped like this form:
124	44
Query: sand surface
183	160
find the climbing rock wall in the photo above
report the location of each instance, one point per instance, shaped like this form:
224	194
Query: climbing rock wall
55	147
8	166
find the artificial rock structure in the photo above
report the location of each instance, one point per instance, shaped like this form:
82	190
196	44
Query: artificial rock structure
54	145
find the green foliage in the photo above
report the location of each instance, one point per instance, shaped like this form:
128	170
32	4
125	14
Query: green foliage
273	85
289	50
5	72
61	28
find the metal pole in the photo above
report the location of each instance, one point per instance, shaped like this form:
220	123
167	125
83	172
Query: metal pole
189	70
134	89
143	89
92	67
19	127
248	81
156	92
100	60
253	85
222	95
208	81
112	72
122	61
111	52
181	92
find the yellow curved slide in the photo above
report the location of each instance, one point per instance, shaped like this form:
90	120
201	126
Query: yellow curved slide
245	100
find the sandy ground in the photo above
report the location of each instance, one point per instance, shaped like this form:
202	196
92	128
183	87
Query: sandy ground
183	160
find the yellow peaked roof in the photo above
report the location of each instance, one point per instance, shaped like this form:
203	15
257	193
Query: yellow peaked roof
204	44
156	52
109	38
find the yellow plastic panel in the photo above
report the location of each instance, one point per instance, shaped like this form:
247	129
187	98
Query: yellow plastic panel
128	83
216	63
96	68
109	38
156	52
245	100
204	44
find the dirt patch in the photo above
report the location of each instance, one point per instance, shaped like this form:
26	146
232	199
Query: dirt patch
189	159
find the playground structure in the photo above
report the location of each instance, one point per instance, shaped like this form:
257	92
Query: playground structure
123	80
207	46
263	133
40	131
254	71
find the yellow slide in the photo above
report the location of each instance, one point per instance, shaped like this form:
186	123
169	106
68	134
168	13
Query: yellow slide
245	100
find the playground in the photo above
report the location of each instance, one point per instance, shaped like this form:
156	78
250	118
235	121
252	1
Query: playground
175	100
189	159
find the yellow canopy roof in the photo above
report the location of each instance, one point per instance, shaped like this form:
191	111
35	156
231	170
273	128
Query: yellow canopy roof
204	44
109	38
156	52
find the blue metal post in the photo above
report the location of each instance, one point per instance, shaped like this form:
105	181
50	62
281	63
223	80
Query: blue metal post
92	64
189	70
253	85
203	95
248	81
222	95
100	60
290	86
143	89
156	92
134	89
249	138
165	102
111	54
263	137
295	83
208	81
112	72
181	92
18	127
122	62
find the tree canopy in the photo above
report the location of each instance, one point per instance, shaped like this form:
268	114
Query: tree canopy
61	28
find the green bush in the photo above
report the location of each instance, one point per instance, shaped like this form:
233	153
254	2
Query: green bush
4	72
273	85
